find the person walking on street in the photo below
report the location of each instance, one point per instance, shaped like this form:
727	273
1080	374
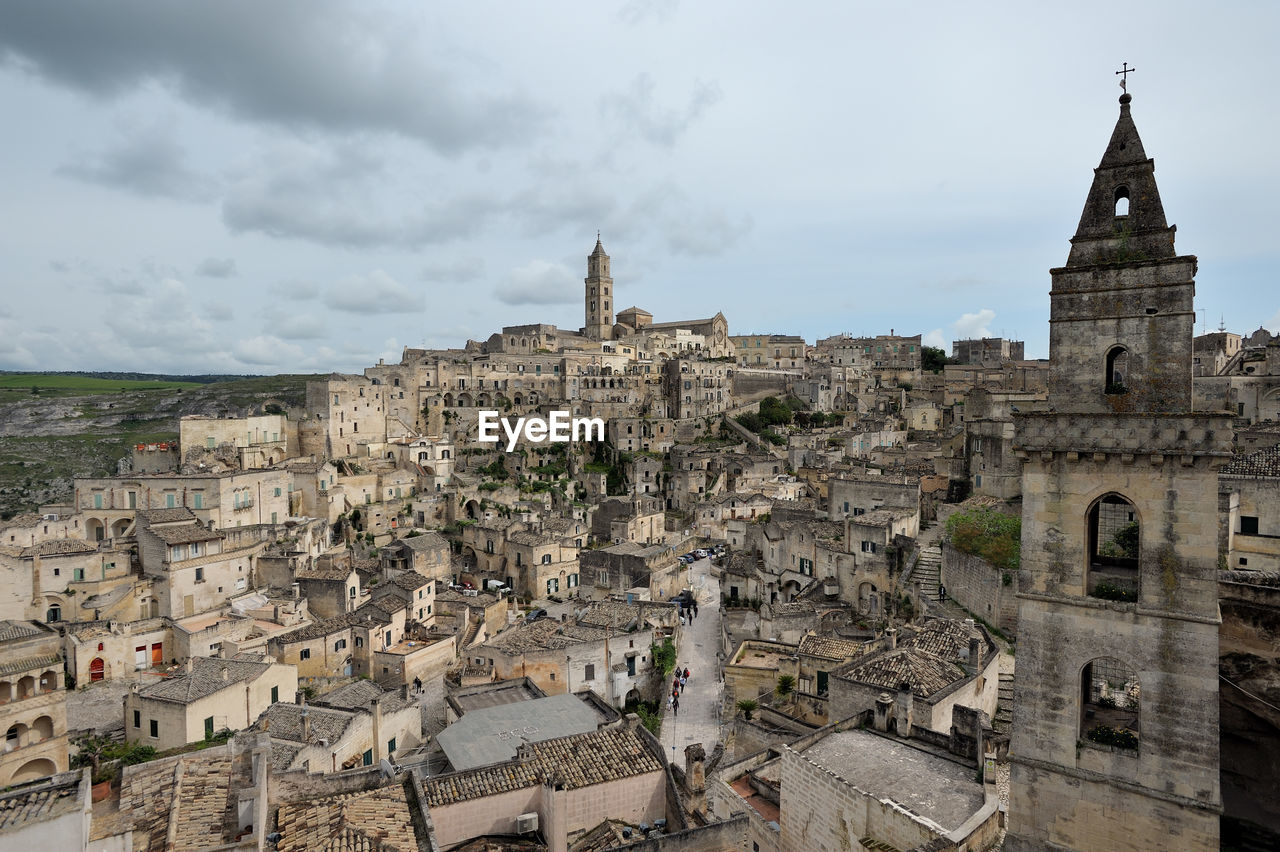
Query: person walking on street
675	706
686	673
682	683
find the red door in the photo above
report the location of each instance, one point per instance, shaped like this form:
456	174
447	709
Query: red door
96	669
157	654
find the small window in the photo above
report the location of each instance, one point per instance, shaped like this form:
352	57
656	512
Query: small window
1248	525
275	694
137	718
155	729
304	654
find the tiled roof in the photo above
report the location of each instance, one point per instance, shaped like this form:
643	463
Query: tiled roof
373	821
924	673
426	541
60	547
11	630
947	638
338	573
205	678
830	648
184	533
51	798
165	516
1262	463
318	629
284	722
191	790
576	761
410	580
531	539
26	664
358	693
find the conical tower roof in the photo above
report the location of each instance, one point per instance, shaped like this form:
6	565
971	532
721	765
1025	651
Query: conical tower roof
1123	217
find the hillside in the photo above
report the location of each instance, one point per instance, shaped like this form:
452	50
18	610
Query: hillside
82	424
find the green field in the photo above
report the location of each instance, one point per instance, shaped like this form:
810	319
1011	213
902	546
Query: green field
62	384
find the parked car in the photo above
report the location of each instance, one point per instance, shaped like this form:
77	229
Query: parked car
700	553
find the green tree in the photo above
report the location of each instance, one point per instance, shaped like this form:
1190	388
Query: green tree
933	359
747	706
786	685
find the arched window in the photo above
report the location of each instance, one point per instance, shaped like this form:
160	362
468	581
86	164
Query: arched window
1122	201
54	613
1117	370
1115	537
1109	703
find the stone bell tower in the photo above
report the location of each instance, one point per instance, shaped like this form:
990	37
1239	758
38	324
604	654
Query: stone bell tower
599	295
1115	735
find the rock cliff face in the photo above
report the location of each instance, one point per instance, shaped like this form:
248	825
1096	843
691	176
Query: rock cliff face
48	439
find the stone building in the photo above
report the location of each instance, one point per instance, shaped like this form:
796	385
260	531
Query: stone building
987	351
1250	487
207	696
1115	733
33	703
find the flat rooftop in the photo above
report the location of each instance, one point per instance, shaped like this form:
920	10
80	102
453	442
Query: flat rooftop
492	734
503	692
927	785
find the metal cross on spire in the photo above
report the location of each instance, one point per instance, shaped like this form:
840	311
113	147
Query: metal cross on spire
1124	76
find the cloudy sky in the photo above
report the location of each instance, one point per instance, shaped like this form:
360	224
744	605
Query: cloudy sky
310	186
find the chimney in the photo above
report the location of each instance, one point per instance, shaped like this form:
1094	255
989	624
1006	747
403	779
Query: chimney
226	674
695	776
892	634
376	706
306	724
883	705
297	591
975	653
904	709
632	720
186	667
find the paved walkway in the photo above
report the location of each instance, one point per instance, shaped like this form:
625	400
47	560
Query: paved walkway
699	718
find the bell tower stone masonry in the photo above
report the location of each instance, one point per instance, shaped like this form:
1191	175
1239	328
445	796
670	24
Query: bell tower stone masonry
599	294
1115	735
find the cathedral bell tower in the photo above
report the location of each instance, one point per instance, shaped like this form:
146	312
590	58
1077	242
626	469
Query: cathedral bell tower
1115	735
599	295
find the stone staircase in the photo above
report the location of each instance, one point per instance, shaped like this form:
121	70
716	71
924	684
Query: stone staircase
1004	705
876	845
927	571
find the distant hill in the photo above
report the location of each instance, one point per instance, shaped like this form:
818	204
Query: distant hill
56	426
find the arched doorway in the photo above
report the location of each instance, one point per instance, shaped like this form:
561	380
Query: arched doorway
97	669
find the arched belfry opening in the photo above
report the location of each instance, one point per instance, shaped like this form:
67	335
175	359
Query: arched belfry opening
1122	200
1116	371
1115	535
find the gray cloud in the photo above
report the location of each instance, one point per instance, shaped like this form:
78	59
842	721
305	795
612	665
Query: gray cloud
637	11
148	163
217	267
374	293
540	282
318	64
634	109
331	196
460	271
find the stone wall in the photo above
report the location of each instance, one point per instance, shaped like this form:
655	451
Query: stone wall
980	587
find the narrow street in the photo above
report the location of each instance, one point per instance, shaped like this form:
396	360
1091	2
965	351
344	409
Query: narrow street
698	720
